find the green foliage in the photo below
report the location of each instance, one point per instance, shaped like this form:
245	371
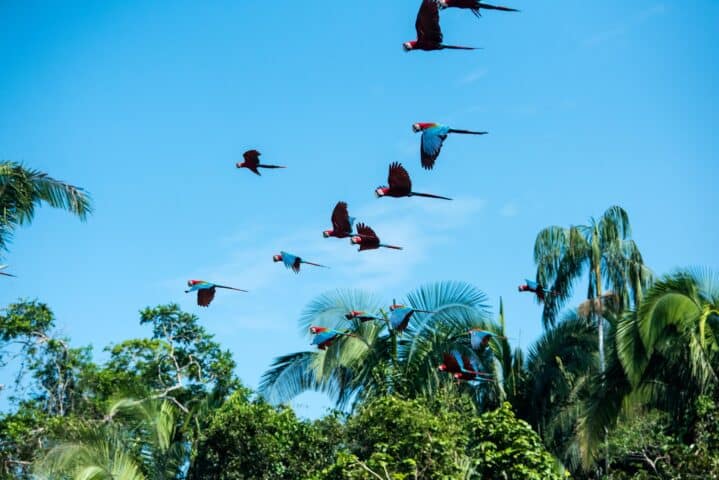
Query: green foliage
253	440
384	361
22	190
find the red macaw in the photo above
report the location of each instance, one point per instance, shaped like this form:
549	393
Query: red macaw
206	291
480	338
433	137
252	162
400	185
536	288
474	5
341	222
368	240
429	33
293	262
462	367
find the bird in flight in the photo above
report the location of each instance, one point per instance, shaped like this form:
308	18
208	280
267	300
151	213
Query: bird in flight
535	288
429	33
206	291
368	240
252	162
342	223
400	185
293	262
433	136
399	318
473	5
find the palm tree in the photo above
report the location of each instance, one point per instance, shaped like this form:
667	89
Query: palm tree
23	189
603	248
665	355
137	440
385	361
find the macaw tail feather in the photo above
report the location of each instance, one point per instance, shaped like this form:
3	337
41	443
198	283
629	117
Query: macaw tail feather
454	130
8	274
315	264
429	195
487	6
391	246
456	47
230	288
270	166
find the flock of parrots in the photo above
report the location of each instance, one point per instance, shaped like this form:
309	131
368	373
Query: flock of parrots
462	367
399	184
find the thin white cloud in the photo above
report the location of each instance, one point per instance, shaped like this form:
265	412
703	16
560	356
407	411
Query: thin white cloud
625	26
473	76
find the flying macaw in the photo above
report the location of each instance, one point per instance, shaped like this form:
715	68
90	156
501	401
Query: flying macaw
534	287
325	337
361	316
480	338
474	5
252	162
342	223
400	184
462	367
429	33
206	291
293	261
399	319
3	267
368	240
433	136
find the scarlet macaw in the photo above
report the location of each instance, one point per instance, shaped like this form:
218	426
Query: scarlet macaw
462	367
534	287
206	291
252	162
399	319
474	5
480	338
341	222
361	316
3	267
433	136
293	261
368	240
429	33
400	185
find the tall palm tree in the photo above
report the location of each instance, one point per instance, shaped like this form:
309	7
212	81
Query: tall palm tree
605	250
137	440
383	361
23	189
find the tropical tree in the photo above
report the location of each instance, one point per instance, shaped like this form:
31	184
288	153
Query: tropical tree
605	250
23	189
379	360
137	440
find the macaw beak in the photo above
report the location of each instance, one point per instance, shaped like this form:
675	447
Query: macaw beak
326	233
407	46
416	128
356	240
240	164
277	258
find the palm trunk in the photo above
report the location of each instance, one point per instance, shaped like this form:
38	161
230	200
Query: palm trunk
599	319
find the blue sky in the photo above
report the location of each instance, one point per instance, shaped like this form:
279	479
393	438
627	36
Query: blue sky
148	105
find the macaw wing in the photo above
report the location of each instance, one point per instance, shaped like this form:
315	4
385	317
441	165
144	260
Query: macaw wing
252	158
290	260
323	337
205	296
431	145
450	362
398	178
427	24
366	232
532	285
479	338
341	222
400	318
